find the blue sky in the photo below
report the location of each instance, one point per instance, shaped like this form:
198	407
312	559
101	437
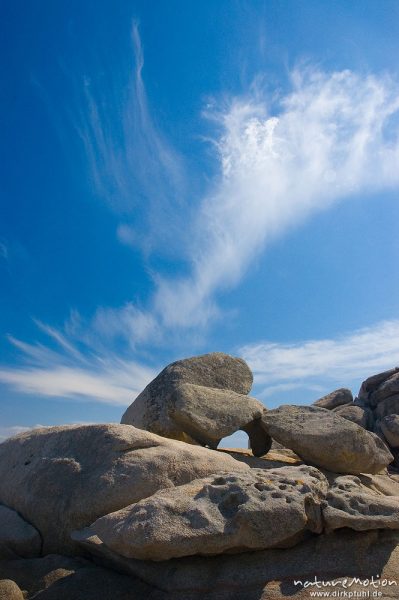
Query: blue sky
182	177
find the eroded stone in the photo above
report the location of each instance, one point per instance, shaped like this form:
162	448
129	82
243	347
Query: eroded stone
226	513
325	439
63	478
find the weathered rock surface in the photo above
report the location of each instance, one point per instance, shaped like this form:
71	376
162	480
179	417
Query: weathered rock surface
395	463
336	398
385	484
187	523
372	383
213	382
380	393
209	414
230	513
357	414
350	503
63	478
17	537
10	591
269	573
390	429
325	439
388	406
389	387
374	388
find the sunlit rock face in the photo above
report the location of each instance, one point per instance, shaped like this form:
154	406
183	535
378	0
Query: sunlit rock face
169	519
201	400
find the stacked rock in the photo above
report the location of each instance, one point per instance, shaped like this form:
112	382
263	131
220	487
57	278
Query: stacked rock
380	394
376	407
154	499
201	400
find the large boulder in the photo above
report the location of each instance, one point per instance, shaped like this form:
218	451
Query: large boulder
17	537
200	400
334	399
63	478
230	513
390	428
327	440
210	414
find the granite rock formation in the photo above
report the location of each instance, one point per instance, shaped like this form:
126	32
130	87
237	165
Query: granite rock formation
124	513
200	400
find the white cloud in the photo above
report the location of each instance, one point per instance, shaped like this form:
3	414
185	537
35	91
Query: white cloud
74	383
132	165
68	373
127	322
127	235
332	137
353	356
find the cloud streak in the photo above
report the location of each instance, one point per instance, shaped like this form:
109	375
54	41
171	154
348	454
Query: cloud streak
313	365
332	137
354	356
132	165
66	372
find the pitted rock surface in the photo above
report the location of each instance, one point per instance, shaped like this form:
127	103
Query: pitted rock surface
350	503
235	512
63	478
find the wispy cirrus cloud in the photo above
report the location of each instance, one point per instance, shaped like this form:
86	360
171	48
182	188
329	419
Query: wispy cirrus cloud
337	361
316	366
333	136
59	369
330	137
132	165
279	160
